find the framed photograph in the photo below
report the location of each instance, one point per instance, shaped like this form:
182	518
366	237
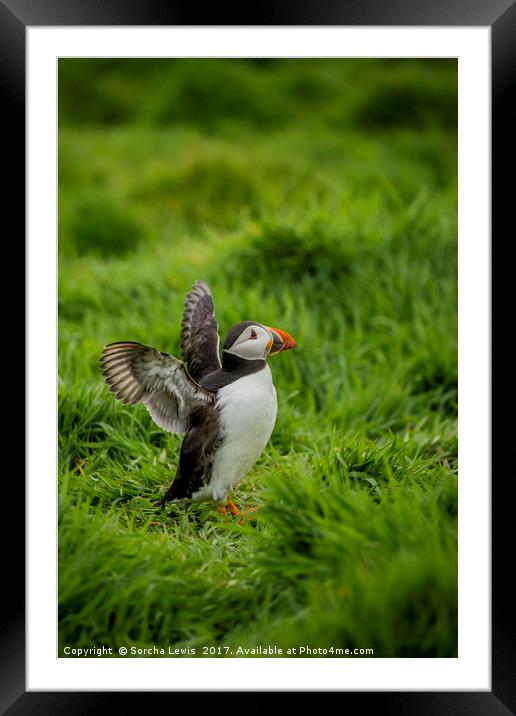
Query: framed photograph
315	521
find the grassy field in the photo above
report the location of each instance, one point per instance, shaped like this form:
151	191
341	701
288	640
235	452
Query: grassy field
317	196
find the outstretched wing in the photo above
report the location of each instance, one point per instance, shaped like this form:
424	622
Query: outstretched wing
199	332
136	373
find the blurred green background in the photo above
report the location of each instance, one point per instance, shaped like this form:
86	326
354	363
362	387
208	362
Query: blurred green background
316	195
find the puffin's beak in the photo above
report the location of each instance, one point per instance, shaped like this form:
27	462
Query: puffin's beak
281	341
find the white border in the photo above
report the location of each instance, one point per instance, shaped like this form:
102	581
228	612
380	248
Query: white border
471	671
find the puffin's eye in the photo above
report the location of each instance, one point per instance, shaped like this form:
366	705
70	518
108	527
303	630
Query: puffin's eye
253	334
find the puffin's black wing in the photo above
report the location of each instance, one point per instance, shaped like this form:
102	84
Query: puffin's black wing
196	457
136	373
199	332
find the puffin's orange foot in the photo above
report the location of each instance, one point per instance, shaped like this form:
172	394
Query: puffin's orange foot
222	509
233	508
247	512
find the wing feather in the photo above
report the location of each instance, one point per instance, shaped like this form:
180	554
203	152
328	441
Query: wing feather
199	332
137	373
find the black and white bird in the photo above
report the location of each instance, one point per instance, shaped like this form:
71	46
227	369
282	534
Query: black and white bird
227	410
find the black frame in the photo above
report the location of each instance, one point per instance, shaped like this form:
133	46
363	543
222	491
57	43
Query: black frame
500	15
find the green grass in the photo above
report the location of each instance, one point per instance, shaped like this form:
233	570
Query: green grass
308	200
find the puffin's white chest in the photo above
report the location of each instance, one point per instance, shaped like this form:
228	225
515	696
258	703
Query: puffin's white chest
248	409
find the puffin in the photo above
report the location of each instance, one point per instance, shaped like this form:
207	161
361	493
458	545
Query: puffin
226	408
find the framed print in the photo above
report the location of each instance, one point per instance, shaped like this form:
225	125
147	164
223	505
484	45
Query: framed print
319	179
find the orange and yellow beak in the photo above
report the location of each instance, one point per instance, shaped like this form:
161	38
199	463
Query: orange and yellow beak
280	341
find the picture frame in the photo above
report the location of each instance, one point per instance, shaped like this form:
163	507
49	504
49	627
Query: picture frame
18	15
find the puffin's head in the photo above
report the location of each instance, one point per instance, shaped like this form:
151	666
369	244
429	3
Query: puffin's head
254	341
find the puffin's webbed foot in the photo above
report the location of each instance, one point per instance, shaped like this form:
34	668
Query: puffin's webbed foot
231	505
235	511
233	508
